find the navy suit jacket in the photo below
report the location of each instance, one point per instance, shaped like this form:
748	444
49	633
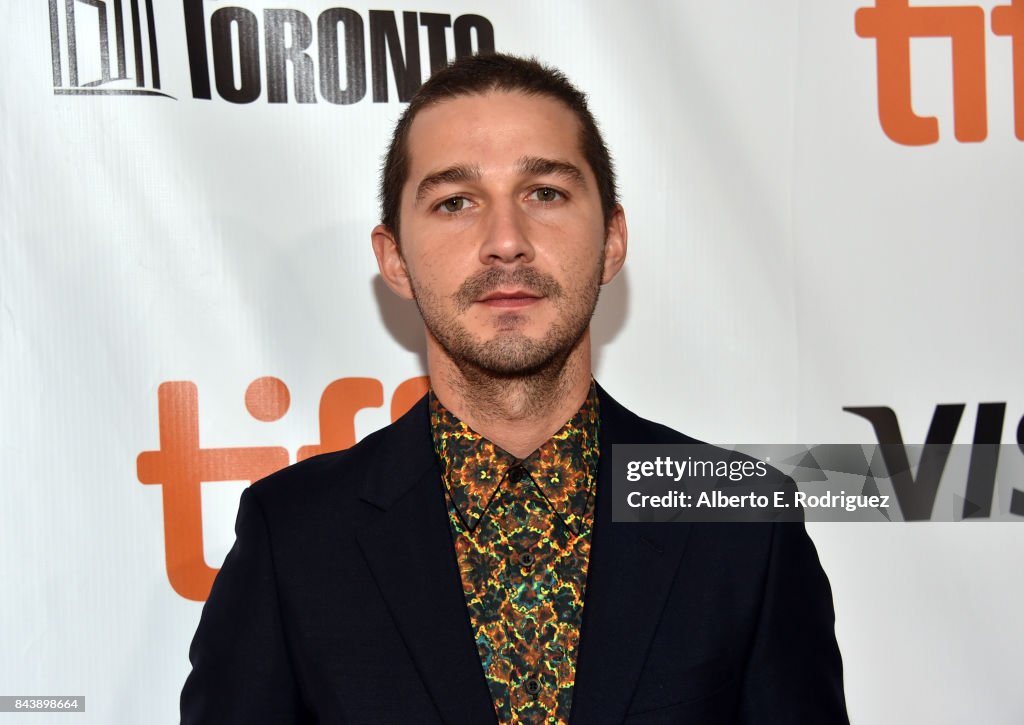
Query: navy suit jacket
341	603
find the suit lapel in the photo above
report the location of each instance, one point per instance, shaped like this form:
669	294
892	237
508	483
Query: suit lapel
407	543
631	571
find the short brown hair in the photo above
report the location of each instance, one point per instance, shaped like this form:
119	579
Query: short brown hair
480	74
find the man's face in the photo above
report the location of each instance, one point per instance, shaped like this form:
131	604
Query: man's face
503	242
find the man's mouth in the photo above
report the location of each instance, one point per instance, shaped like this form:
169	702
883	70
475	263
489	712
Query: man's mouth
510	299
509	290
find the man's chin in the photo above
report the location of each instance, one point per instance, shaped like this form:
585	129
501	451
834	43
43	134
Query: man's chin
513	356
505	354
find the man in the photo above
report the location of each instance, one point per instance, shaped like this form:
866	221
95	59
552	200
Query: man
461	565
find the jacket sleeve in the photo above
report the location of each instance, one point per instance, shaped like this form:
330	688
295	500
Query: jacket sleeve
795	672
241	668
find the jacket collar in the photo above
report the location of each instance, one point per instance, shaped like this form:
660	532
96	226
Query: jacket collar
563	468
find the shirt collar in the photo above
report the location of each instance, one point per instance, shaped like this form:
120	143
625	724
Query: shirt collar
563	469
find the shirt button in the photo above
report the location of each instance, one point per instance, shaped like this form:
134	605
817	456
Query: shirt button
526	559
517	473
532	686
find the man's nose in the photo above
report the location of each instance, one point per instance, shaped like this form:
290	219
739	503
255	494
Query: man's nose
506	236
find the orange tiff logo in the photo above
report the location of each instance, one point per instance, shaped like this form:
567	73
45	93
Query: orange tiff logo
182	465
892	23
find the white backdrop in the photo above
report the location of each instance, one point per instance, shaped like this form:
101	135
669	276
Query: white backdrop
788	259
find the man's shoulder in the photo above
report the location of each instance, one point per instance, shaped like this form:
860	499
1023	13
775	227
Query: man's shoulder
622	425
626	427
344	476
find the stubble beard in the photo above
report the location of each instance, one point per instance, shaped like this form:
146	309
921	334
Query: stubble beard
511	357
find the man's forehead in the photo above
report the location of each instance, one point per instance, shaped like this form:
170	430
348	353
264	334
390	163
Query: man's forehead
495	127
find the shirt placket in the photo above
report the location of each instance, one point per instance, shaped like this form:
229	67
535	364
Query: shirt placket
525	523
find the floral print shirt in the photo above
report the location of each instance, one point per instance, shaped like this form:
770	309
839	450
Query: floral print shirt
521	530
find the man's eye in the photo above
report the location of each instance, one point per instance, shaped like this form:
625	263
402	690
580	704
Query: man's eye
453	205
547	194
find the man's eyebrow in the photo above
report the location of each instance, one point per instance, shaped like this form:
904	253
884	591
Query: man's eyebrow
452	175
536	166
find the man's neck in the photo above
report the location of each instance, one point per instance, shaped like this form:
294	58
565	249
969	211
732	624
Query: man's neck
517	414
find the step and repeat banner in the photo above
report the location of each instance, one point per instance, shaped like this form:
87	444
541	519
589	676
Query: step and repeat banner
826	248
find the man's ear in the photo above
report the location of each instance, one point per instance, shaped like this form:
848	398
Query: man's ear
615	240
390	262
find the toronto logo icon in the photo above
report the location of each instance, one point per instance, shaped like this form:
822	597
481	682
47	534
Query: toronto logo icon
88	61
